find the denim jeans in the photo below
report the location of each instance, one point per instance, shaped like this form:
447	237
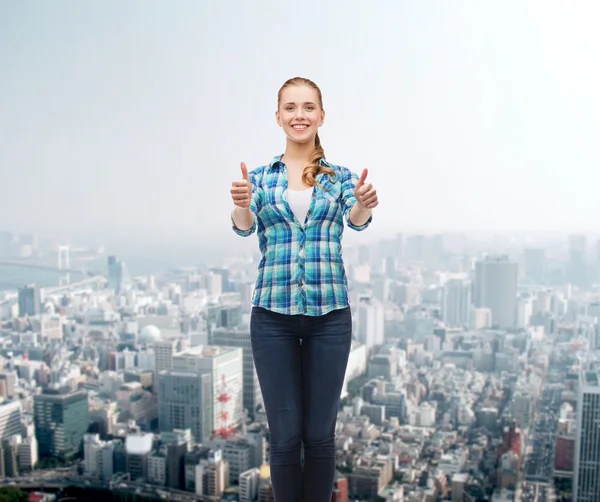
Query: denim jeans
301	363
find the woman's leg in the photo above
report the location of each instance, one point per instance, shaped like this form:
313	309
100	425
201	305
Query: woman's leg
325	350
277	357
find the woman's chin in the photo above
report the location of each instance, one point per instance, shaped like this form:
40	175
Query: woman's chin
301	138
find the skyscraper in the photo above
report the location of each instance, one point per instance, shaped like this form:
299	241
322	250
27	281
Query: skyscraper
534	262
586	474
234	337
61	419
30	303
577	268
117	273
495	287
226	370
456	302
185	401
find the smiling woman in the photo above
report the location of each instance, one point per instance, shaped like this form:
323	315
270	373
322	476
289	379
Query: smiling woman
301	324
300	113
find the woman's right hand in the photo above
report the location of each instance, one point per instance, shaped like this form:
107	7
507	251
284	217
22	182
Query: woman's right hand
241	191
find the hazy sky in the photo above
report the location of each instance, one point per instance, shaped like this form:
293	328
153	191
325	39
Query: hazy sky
135	115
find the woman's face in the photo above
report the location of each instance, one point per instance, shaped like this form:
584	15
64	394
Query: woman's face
300	114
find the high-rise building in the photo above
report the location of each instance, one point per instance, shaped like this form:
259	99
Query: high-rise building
495	287
117	273
241	338
226	369
30	303
456	302
371	322
163	354
10	419
534	264
224	273
415	248
226	315
185	401
586	478
577	268
61	419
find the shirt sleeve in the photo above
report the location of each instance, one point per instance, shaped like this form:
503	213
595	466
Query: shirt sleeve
349	181
255	206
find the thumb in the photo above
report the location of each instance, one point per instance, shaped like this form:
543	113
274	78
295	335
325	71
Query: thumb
363	177
244	171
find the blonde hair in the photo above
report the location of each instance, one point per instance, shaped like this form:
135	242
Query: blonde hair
309	175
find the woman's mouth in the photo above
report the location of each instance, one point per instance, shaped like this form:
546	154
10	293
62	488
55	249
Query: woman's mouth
299	127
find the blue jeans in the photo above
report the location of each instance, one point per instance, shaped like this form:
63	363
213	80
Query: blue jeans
301	363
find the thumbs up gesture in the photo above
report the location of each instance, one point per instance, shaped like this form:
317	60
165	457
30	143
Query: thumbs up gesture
365	194
241	191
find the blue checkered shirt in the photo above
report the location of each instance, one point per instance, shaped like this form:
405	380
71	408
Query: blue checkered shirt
301	270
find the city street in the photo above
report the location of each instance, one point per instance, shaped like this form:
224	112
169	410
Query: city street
539	464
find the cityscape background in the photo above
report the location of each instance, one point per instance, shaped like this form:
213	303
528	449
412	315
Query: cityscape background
125	362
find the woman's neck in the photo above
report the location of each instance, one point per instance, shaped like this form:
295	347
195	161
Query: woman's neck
297	153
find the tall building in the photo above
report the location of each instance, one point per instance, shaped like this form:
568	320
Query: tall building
371	322
30	303
577	269
534	264
10	419
226	369
227	314
61	419
456	302
225	282
98	456
163	354
185	401
495	287
415	248
586	478
117	274
241	338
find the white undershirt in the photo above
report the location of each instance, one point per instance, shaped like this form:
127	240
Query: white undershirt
299	201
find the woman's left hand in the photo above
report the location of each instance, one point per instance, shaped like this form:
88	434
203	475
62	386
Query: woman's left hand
366	195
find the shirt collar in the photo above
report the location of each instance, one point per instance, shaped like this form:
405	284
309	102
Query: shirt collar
277	160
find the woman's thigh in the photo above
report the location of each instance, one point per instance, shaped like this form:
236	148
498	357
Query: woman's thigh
277	357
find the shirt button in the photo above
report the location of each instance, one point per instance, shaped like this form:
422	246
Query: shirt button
301	283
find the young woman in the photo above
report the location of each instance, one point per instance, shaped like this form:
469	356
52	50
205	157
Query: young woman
301	325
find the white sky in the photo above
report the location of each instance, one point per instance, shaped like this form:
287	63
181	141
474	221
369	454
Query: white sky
135	115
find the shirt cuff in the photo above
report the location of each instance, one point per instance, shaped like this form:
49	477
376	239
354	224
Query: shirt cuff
243	233
358	228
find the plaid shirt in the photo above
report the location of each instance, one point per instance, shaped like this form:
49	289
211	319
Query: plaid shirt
301	270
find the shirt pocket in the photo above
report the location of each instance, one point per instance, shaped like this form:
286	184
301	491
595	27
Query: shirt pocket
332	192
276	207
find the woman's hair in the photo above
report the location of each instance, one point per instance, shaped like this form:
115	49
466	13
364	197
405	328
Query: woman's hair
309	176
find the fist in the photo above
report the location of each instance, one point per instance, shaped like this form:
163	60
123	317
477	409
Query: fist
365	194
241	191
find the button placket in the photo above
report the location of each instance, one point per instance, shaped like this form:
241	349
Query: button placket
301	257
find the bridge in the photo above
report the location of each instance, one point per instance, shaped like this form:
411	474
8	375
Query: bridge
60	482
98	279
38	266
63	268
